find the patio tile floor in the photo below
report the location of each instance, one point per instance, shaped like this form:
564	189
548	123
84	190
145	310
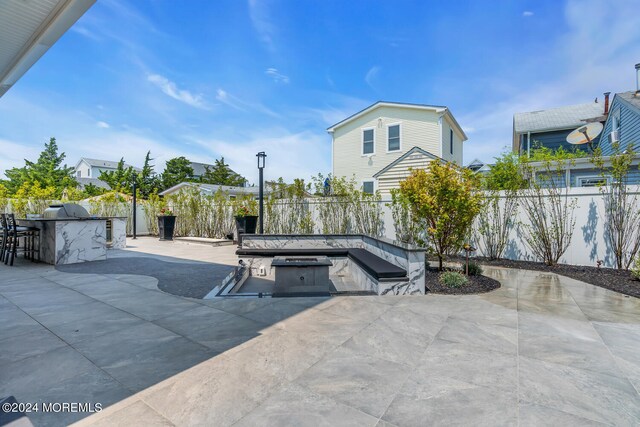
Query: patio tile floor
542	349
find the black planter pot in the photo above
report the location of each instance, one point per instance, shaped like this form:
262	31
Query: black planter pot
166	224
245	225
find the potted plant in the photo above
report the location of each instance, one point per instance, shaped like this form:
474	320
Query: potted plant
166	224
245	222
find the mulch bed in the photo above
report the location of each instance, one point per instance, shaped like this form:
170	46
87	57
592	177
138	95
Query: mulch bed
615	280
477	284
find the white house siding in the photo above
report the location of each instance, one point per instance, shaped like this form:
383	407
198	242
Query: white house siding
85	170
392	177
418	128
457	143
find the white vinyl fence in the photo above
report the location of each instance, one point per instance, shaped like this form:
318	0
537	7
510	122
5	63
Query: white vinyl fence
588	244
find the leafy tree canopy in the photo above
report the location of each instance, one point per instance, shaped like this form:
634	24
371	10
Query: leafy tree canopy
121	179
48	171
176	171
505	173
221	174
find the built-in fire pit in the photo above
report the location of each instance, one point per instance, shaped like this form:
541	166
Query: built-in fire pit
301	276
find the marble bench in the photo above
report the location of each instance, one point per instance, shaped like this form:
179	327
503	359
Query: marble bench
377	267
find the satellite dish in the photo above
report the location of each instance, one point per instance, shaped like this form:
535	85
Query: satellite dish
585	134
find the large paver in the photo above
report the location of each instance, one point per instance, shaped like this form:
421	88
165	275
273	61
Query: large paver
542	349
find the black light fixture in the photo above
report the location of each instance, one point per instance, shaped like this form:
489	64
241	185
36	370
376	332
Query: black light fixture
261	161
134	204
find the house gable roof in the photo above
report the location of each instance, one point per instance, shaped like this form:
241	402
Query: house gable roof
567	117
631	98
441	109
108	164
414	150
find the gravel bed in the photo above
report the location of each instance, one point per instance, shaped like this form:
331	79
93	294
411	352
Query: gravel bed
477	284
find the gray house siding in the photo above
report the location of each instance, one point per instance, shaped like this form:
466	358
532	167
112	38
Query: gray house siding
629	126
552	140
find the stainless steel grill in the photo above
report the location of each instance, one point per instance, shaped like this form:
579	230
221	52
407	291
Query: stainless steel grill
65	210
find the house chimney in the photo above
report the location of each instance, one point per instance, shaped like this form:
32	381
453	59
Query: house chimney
637	79
606	103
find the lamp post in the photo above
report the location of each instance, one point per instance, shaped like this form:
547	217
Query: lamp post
135	190
261	160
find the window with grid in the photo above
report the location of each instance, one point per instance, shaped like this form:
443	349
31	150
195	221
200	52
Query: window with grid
394	138
367	141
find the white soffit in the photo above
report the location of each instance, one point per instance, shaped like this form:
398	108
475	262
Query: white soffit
28	28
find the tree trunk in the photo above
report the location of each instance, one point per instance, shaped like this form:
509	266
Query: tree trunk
439	262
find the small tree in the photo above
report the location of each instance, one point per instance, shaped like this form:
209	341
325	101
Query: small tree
549	209
621	208
221	174
121	179
148	181
445	199
48	171
176	171
287	209
498	215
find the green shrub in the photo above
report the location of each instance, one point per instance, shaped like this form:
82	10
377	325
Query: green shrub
474	268
453	279
635	269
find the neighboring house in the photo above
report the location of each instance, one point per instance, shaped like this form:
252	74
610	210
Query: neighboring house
549	128
92	168
623	124
211	189
380	144
83	182
479	166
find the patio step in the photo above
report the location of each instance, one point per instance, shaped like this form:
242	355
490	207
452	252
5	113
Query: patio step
203	241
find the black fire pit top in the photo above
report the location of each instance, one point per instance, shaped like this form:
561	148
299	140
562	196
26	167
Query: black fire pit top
299	261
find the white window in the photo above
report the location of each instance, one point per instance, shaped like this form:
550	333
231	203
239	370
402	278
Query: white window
593	181
368	187
368	144
393	137
615	123
89	173
79	174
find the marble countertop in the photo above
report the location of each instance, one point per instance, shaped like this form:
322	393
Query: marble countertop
402	245
89	218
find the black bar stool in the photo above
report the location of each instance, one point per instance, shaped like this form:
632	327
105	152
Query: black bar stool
4	235
14	234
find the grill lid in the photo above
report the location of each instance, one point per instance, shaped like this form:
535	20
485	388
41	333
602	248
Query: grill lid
65	210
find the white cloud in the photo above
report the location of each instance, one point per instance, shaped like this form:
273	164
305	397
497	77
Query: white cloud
239	104
277	76
171	89
14	153
103	125
262	23
371	75
527	13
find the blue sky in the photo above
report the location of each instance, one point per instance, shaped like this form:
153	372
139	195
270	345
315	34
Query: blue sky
231	78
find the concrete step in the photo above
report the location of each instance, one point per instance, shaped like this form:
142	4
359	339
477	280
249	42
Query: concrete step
203	241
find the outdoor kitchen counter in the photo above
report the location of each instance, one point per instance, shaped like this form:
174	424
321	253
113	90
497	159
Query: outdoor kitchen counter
74	240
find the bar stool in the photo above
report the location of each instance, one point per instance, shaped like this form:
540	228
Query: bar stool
4	235
14	233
